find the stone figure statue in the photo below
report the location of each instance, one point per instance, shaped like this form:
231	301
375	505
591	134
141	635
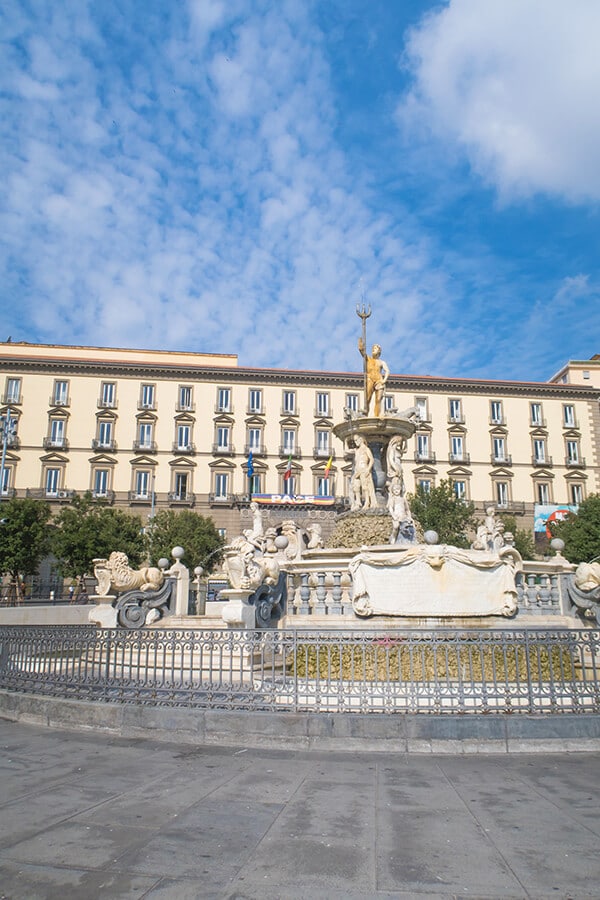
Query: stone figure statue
490	535
376	376
403	526
245	568
362	488
315	537
394	454
114	575
255	534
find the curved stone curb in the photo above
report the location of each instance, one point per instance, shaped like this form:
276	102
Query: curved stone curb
402	733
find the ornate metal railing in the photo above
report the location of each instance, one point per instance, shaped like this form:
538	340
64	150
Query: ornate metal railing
444	672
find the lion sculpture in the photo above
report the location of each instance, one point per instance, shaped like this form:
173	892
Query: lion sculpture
114	575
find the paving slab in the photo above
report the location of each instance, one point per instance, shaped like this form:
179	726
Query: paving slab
93	815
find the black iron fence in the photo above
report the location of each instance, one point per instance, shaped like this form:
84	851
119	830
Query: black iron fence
446	671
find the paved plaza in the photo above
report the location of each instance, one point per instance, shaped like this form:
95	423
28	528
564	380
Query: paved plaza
86	815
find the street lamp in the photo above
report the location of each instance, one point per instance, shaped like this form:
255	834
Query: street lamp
8	430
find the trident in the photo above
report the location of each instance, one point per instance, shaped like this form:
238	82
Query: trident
364	313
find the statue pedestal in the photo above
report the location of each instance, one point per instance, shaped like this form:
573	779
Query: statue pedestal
237	612
103	613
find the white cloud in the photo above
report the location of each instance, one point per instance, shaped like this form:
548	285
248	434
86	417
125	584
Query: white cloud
517	84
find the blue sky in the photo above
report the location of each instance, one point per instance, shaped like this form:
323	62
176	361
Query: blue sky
234	176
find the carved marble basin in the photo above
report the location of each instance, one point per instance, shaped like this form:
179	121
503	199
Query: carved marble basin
375	430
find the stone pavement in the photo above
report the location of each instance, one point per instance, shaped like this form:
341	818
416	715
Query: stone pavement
92	816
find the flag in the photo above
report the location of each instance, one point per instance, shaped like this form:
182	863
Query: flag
288	469
250	465
328	466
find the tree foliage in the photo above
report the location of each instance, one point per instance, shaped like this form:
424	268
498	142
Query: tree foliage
439	509
24	536
196	534
581	531
524	541
88	529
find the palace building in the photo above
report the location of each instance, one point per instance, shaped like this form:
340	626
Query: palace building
150	430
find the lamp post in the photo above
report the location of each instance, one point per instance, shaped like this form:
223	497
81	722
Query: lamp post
8	428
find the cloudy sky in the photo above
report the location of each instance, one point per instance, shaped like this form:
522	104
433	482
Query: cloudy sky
237	175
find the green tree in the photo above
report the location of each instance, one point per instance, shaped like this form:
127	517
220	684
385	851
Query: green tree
524	541
24	538
196	534
581	531
439	509
88	529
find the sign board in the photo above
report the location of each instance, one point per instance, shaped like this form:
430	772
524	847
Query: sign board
293	500
543	515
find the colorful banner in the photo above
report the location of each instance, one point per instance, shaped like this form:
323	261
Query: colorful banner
296	500
543	515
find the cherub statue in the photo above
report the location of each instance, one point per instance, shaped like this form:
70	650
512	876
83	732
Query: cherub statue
377	373
403	526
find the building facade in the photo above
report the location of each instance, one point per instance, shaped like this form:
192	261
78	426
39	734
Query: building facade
152	430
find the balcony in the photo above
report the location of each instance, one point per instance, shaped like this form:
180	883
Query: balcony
573	424
261	450
294	452
501	459
144	497
517	507
222	499
55	443
106	404
59	400
537	423
221	408
497	420
13	442
578	463
294	412
457	419
541	461
426	456
145	446
459	458
185	407
111	446
146	405
223	449
323	453
7	493
320	414
179	498
255	411
12	400
184	449
109	496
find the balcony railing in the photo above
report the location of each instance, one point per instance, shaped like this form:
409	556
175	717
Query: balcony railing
457	419
102	403
255	411
459	458
425	456
145	446
544	461
501	459
12	400
537	423
574	424
224	408
59	400
497	420
294	413
294	452
184	448
104	445
575	463
222	499
323	414
323	452
146	404
185	407
513	506
183	498
139	496
109	496
55	443
223	449
261	450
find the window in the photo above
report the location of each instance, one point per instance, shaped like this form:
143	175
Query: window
289	402
460	489
52	482
323	489
543	493
142	484
539	450
147	397
421	404
536	414
455	411
221	484
586	374
499	449
57	432
352	402
323	442
145	435
254	439
289	486
184	437
572	453
222	532
255	484
502	493
424	485
289	440
13	390
5	486
223	437
456	442
569	416
185	397
576	494
224	400
105	434
423	446
255	400
388	403
108	393
322	403
496	412
100	488
181	485
60	393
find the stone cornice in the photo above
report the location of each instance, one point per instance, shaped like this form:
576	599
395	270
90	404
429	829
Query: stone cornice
418	384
